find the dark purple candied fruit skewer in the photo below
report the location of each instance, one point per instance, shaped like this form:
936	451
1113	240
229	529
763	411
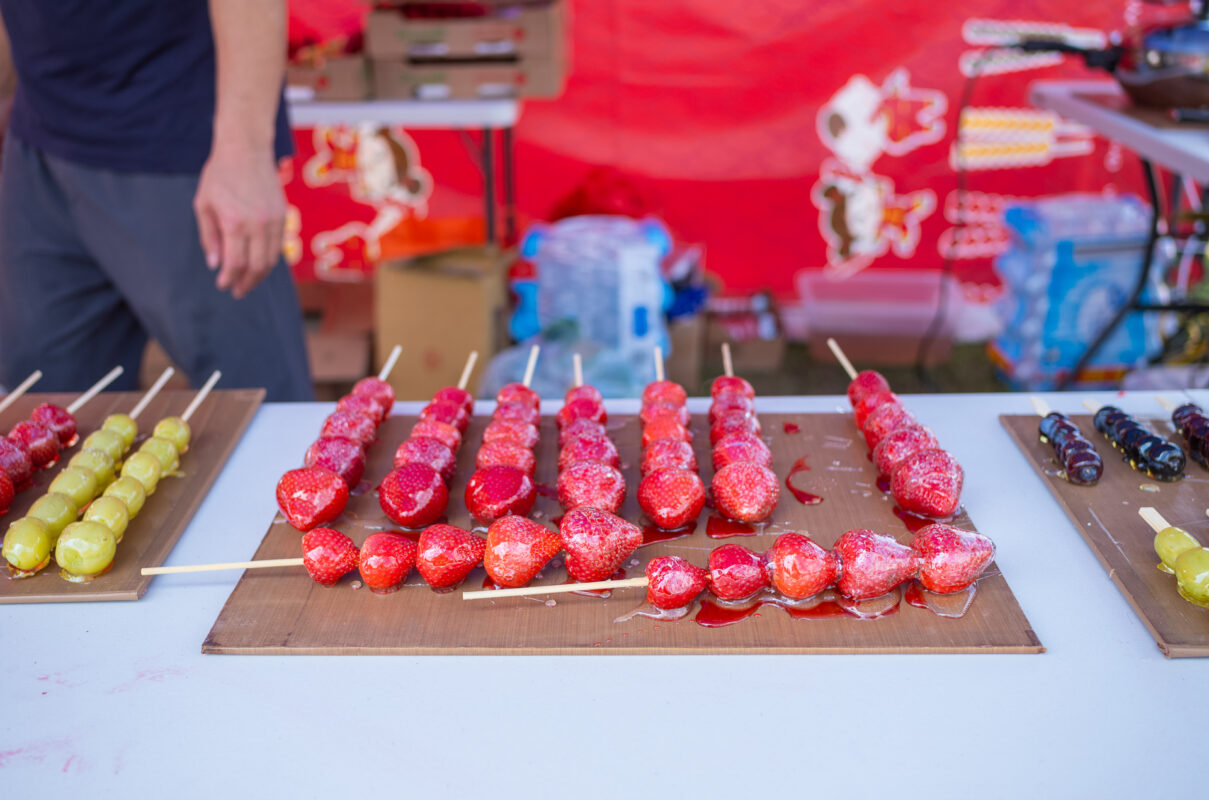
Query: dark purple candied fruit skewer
1077	455
1193	425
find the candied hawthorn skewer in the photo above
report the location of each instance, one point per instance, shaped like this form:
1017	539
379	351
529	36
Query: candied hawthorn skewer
670	493
51	428
589	464
744	488
1145	451
1182	555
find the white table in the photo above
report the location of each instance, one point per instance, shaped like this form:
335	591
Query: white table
115	699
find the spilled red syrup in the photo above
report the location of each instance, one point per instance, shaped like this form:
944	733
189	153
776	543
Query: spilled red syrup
914	522
546	491
603	594
915	595
488	583
719	528
652	533
792	427
883	484
713	615
801	495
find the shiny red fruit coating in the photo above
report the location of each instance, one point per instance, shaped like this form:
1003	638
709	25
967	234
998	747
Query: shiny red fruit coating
597	542
519	393
668	453
582	408
455	395
517	549
952	558
342	456
884	419
7	492
736	572
443	432
899	443
413	495
362	404
589	448
871	564
664	392
866	383
516	432
733	384
311	496
731	424
664	428
928	482
15	462
328	555
447	412
578	428
870	403
653	411
741	446
672	497
495	492
446	555
673	582
591	483
506	454
39	441
798	568
379	390
426	450
58	420
728	404
385	560
745	491
350	425
517	412
585	392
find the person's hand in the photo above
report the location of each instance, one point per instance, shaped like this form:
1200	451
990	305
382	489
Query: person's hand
240	209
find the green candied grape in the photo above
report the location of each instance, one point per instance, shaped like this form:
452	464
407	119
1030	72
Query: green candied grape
27	546
85	550
1192	575
175	430
144	468
1169	543
110	512
130	492
96	460
78	483
124	426
108	441
56	510
164	450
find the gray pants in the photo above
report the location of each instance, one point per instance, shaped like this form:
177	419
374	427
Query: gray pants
92	262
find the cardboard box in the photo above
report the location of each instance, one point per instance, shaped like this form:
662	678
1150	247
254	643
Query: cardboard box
440	307
685	362
340	78
515	31
530	78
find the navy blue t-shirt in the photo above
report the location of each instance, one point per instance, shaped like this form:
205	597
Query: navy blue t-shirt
126	85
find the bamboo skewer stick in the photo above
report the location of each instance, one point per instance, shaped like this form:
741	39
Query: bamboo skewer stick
201	395
1153	518
269	562
21	389
1166	404
96	389
152	392
1091	406
531	366
1040	406
557	588
469	368
728	366
578	365
384	373
843	359
658	363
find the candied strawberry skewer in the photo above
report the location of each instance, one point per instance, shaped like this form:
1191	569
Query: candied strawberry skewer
744	488
589	471
671	493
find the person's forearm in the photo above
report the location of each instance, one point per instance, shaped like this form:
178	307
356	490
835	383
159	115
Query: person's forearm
250	44
8	78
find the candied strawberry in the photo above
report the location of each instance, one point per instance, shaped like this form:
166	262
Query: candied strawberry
15	462
516	432
900	443
506	454
379	390
664	392
673	582
578	428
517	549
798	568
585	392
385	560
443	432
58	420
870	403
589	448
311	496
447	412
671	497
883	420
653	411
952	558
495	492
741	447
872	564
736	572
582	408
731	424
7	492
731	384
664	428
455	395
38	441
517	412
446	555
728	404
362	404
745	491
591	483
668	453
866	383
597	542
426	450
350	425
342	456
413	495
328	555
928	482
519	393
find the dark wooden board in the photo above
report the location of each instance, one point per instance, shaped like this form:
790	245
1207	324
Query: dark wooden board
1106	515
282	610
217	425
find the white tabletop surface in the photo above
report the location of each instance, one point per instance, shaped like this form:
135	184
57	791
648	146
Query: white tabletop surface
116	699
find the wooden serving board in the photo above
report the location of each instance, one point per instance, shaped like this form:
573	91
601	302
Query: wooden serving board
1107	517
281	610
217	426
